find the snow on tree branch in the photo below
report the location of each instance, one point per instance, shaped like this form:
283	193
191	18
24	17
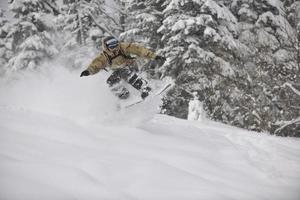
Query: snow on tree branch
295	121
100	26
290	86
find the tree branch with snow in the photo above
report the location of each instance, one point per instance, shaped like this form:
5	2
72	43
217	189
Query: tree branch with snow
292	88
295	121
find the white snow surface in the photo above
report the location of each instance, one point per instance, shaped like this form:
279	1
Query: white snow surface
62	137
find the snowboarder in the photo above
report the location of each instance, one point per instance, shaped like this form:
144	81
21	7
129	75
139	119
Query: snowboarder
118	57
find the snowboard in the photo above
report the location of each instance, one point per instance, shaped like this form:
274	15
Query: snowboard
161	91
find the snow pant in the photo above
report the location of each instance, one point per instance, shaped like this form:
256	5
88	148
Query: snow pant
128	75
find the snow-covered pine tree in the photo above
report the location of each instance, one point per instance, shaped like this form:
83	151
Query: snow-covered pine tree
30	34
117	10
241	56
5	54
268	66
290	126
86	22
143	20
199	38
3	24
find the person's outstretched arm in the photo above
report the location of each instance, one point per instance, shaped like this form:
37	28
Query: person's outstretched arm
132	48
96	65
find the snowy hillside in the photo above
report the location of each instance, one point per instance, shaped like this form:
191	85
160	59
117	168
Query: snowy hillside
61	137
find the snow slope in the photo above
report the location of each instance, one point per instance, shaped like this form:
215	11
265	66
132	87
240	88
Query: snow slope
61	137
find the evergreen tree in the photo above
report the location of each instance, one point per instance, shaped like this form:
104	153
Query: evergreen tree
86	22
240	56
5	54
271	63
143	20
199	42
30	34
117	11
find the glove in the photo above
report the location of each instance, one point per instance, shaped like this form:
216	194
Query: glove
160	58
85	73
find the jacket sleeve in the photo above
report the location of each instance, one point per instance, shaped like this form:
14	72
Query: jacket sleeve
97	64
131	48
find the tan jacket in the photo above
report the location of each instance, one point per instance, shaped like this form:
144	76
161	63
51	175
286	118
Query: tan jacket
102	60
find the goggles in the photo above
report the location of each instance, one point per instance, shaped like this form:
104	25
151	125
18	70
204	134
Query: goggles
112	43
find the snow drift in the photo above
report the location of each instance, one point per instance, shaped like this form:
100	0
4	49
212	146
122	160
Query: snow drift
62	137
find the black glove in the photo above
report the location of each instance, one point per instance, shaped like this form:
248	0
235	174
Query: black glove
85	73
160	58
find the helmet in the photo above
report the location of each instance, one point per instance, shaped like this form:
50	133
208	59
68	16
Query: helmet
110	42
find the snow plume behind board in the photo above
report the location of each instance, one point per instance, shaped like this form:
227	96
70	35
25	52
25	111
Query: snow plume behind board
58	91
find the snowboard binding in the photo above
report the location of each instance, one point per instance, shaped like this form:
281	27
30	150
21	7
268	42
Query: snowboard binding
130	77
